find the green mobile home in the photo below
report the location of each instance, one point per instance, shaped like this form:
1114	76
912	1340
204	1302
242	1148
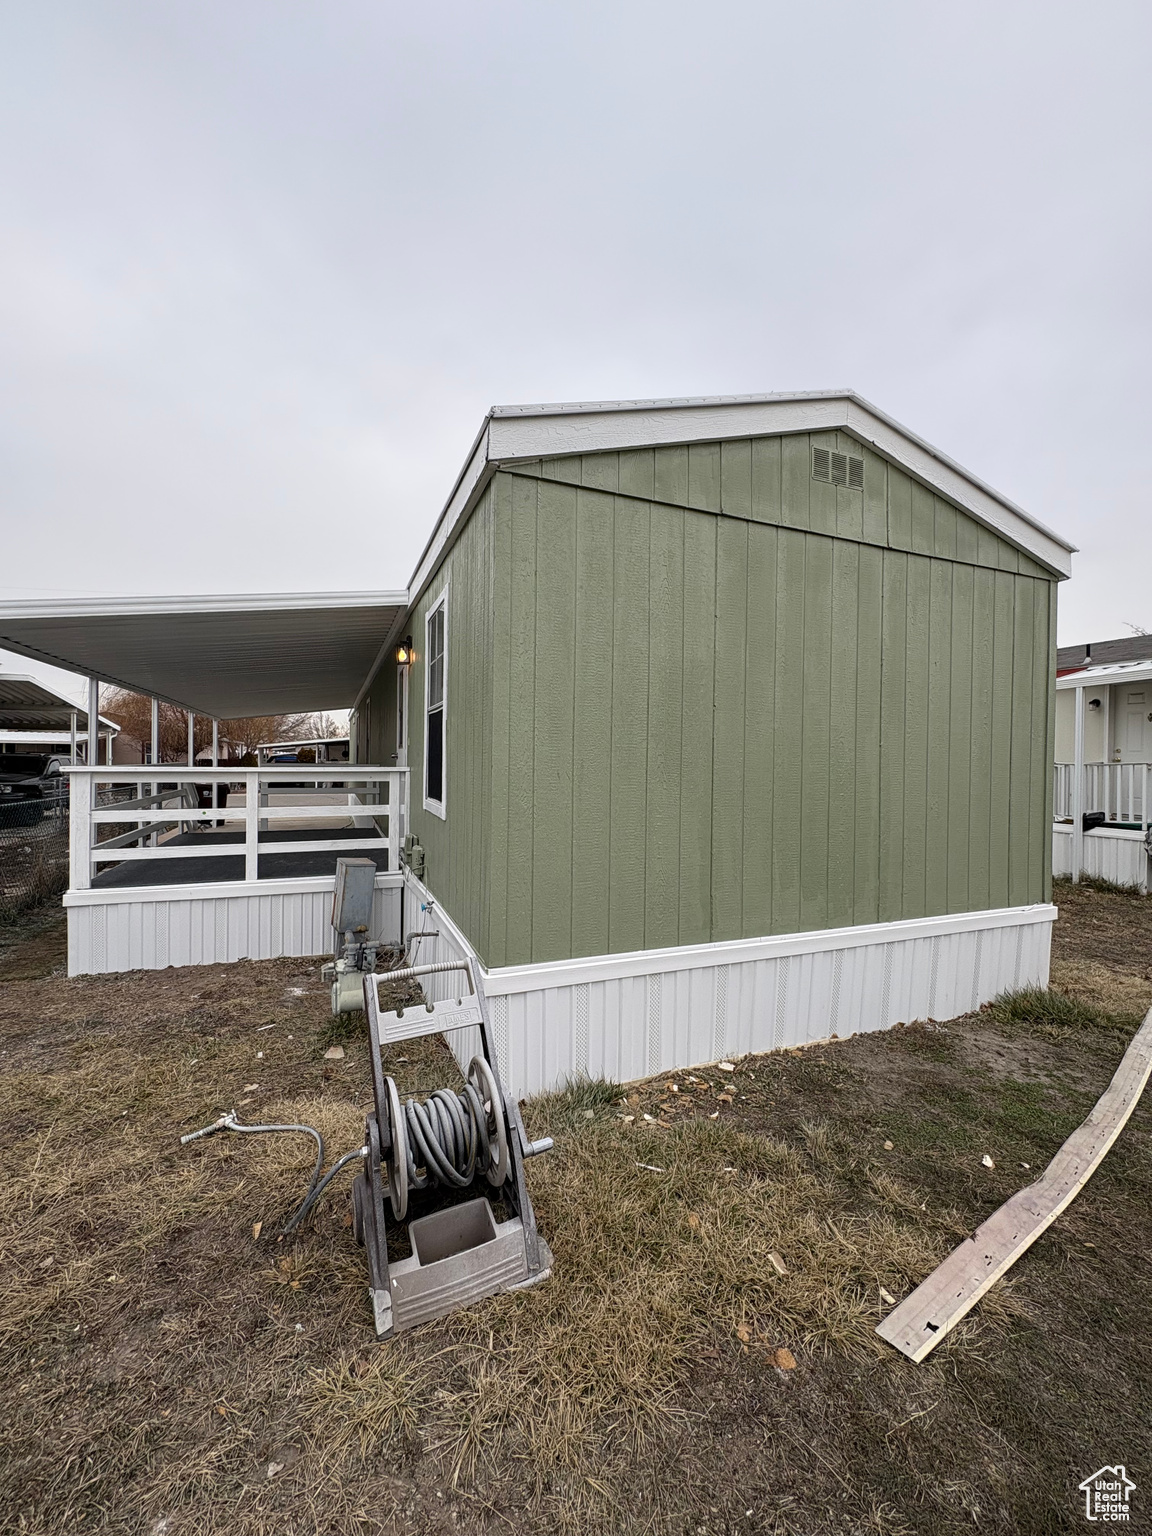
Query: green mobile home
709	726
729	724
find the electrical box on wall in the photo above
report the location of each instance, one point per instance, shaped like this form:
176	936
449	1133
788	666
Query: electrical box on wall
353	895
413	855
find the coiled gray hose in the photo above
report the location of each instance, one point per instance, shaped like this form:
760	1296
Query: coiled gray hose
447	1135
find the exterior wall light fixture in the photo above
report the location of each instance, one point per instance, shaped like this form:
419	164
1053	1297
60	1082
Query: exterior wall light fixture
404	651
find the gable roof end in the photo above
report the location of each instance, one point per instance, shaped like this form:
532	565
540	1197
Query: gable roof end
512	433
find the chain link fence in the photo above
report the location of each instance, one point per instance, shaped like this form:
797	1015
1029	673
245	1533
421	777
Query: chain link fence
34	847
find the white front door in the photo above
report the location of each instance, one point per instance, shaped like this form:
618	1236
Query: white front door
1134	727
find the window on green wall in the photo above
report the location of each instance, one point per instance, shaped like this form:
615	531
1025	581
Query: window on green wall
435	703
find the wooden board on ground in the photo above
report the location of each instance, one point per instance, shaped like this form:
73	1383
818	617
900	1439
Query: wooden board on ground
937	1305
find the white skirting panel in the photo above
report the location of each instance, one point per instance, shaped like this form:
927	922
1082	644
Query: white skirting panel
629	1016
148	928
1109	854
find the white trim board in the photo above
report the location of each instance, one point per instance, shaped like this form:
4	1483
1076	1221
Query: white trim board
630	1016
106	896
648	962
436	807
228	602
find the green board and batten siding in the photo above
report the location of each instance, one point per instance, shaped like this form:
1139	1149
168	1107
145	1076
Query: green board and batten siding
696	695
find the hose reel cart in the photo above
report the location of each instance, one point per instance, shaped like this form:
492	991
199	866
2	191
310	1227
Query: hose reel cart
420	1159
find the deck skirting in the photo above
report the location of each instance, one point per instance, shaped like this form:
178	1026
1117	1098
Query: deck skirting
1110	853
629	1016
146	928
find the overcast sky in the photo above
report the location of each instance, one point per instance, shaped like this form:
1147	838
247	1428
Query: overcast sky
265	266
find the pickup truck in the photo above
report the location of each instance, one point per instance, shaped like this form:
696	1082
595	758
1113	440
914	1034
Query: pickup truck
30	784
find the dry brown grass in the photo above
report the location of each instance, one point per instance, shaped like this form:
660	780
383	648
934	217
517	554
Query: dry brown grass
575	1380
161	1358
1102	986
648	1266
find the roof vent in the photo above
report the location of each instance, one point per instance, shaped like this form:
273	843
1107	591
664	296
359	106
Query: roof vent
838	468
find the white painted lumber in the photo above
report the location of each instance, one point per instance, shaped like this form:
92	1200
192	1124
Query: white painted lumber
168	851
935	1307
113	814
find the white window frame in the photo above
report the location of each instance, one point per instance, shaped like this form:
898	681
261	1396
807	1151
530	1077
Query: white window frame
437	807
402	722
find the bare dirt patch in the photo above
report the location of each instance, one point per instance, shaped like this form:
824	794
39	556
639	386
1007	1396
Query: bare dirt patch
703	1360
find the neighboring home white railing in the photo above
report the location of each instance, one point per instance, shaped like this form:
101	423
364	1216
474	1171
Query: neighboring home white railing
1120	790
374	799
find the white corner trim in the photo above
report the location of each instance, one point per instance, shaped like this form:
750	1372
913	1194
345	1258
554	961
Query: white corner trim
448	929
119	895
505	980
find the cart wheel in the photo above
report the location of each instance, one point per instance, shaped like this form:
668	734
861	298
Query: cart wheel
359	1196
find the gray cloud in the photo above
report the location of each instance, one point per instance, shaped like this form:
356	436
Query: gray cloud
264	266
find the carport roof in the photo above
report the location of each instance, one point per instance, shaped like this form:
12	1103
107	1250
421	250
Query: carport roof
226	656
27	704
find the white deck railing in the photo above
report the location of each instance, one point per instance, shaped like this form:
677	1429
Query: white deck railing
1120	790
374	798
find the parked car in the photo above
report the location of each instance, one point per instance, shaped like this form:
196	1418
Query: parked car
30	784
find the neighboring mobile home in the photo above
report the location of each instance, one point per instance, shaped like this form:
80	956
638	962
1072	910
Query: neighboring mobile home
1103	770
727	725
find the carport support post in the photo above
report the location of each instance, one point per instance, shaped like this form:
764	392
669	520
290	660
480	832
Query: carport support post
74	738
154	786
215	764
251	824
191	739
1078	790
93	755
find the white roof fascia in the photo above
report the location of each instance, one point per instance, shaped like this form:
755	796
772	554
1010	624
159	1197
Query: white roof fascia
1094	677
512	433
470	486
54	700
303	741
198	607
253	602
529	432
56	732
